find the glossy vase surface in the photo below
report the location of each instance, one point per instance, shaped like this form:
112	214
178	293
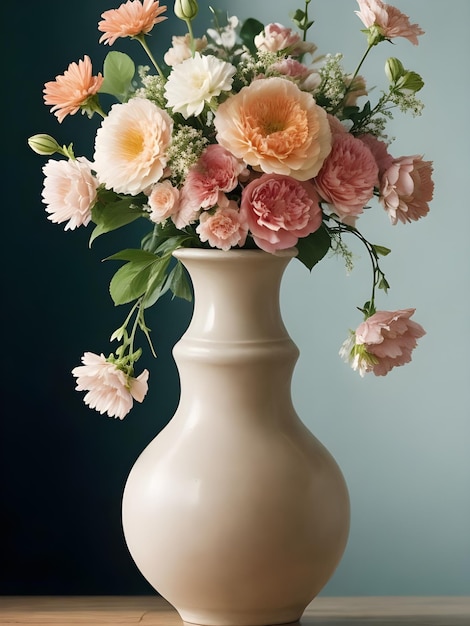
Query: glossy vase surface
235	512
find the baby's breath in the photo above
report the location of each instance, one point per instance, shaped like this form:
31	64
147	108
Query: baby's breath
186	148
332	88
152	87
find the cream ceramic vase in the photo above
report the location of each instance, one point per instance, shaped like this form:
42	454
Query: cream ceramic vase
235	513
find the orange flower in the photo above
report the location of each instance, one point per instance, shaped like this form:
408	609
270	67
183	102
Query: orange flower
276	128
131	19
70	91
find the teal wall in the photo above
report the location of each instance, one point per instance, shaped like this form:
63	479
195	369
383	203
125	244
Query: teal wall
402	441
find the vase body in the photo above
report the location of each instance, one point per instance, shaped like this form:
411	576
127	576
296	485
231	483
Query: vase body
235	512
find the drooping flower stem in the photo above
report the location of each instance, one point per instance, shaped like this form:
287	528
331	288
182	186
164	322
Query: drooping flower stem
378	277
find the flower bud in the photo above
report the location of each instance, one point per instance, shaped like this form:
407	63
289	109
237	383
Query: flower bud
44	144
394	69
186	9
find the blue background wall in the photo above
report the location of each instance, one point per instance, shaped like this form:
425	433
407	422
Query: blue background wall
402	441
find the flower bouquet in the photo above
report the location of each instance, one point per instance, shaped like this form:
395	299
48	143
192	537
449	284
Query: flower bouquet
244	137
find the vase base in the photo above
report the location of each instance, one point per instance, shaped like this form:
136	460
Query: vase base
296	623
283	618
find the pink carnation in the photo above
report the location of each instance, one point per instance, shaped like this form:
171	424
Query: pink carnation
279	209
383	341
406	188
110	390
389	20
224	229
70	190
348	176
214	174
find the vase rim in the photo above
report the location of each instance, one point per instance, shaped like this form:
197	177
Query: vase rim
198	253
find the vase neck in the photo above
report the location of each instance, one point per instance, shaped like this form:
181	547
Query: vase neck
236	294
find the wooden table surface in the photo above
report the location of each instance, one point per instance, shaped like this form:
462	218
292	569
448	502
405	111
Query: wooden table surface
154	611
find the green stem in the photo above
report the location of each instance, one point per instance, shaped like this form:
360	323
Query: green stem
143	42
376	271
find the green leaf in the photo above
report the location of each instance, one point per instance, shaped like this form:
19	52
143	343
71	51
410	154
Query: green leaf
157	282
130	281
113	215
118	72
383	284
133	254
178	283
313	248
381	250
248	32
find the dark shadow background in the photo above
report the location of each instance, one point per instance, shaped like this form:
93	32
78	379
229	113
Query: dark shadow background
63	466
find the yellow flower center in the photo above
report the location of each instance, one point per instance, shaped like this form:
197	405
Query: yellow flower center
132	142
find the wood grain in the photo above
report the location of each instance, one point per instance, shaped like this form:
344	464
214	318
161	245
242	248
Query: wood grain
154	611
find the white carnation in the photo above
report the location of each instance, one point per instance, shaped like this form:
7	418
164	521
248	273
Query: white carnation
196	81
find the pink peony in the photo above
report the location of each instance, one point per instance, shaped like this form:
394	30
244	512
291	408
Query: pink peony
110	390
215	173
279	209
383	341
275	127
163	201
224	229
406	188
348	176
69	191
389	21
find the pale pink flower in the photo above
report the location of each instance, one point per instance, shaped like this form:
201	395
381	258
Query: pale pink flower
71	90
131	19
383	341
275	127
163	201
181	49
348	176
110	390
131	145
188	210
276	37
279	209
389	20
69	191
194	82
223	229
406	188
215	173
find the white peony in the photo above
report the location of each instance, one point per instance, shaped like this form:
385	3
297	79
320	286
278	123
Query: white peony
130	146
196	81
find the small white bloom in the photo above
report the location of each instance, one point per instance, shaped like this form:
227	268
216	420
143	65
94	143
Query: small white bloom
69	191
196	81
131	146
